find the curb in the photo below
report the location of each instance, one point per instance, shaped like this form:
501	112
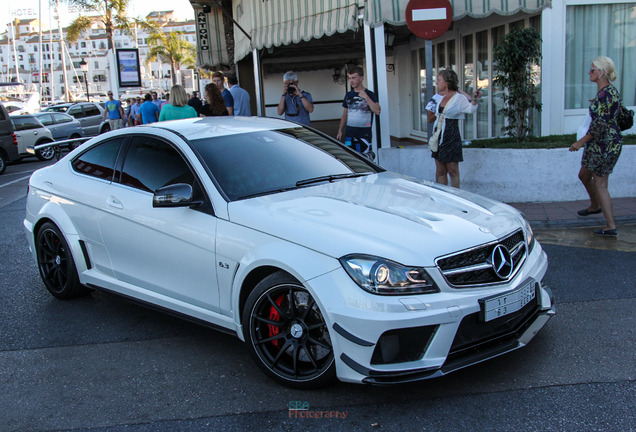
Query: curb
581	223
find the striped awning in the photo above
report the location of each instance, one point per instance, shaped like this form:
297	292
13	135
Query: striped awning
211	45
392	12
282	22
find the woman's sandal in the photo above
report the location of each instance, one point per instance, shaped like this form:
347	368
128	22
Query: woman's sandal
606	233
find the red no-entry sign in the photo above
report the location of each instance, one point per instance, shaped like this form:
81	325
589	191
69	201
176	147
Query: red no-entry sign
429	19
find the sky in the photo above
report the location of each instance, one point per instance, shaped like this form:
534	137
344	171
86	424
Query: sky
29	9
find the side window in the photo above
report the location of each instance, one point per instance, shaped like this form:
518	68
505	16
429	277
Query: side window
61	118
91	110
45	119
18	124
76	111
151	163
99	161
30	123
2	116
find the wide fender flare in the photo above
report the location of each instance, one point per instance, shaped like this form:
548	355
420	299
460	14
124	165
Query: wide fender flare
302	263
52	211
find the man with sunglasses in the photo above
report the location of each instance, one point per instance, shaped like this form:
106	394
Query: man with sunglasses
295	103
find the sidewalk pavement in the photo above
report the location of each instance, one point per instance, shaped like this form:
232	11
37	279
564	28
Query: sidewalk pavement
563	214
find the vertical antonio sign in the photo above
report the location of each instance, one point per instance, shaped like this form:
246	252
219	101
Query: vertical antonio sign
211	51
128	68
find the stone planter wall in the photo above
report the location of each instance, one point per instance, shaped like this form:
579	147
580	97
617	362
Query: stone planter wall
510	175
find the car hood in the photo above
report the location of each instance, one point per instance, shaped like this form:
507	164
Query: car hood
386	215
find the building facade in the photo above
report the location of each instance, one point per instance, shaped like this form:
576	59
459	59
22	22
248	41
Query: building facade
322	39
92	48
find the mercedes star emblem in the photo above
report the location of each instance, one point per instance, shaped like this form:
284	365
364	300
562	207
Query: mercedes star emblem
501	262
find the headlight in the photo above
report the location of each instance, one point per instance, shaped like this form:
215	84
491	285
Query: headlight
381	276
527	229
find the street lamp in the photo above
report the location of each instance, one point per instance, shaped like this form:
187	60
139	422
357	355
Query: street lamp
84	66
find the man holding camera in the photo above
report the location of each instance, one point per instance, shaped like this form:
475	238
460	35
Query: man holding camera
295	103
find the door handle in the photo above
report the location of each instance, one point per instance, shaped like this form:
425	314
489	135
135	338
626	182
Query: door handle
114	202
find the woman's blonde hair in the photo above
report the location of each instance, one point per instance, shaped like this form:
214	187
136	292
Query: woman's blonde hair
178	96
606	65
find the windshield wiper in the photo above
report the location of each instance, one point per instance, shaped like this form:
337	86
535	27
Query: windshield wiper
269	192
330	178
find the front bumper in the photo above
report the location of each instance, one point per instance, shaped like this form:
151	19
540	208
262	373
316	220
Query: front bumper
446	326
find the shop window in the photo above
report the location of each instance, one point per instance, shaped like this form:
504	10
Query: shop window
593	31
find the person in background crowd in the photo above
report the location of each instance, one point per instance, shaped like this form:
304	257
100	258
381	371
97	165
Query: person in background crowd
452	105
135	116
241	97
603	144
166	101
129	104
177	108
359	106
114	113
295	103
219	80
195	102
156	100
149	110
215	105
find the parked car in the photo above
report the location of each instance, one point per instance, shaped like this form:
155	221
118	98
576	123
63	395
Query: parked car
62	126
325	264
30	133
8	141
89	114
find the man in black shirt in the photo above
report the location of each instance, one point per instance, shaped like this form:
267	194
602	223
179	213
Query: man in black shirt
195	103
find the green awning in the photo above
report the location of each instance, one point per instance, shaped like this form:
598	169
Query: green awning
282	22
393	11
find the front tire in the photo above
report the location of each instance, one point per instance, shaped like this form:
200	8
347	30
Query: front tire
56	264
287	335
45	154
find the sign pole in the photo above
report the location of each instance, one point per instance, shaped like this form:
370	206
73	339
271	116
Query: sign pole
428	51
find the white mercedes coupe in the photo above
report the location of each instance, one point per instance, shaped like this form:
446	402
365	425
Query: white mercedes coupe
325	264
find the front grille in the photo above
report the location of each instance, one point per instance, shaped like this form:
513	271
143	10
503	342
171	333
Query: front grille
473	267
402	345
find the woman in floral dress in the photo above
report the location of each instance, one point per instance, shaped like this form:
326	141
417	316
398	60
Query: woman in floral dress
603	143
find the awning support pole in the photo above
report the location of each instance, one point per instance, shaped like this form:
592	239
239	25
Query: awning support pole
258	88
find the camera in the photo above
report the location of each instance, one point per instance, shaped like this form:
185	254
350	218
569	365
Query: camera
291	89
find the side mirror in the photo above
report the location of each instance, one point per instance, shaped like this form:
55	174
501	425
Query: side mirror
176	195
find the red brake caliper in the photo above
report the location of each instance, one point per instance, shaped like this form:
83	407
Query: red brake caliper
274	316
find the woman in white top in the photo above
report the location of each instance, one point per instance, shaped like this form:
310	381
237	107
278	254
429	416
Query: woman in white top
449	152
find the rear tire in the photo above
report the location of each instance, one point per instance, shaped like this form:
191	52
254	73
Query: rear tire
46	154
56	264
3	163
73	146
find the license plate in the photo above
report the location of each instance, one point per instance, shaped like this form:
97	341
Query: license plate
504	304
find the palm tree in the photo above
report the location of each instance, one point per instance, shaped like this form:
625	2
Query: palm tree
173	48
112	13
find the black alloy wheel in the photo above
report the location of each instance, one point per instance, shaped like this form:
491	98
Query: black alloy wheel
56	264
287	334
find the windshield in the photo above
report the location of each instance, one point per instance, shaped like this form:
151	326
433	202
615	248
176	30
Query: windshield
258	163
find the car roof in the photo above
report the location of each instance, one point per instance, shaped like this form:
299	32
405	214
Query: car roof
23	116
206	127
